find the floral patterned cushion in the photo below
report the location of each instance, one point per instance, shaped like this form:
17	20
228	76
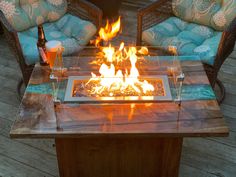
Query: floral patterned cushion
189	38
73	32
217	14
23	14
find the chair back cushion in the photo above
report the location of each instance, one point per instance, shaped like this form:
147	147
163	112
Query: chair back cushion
23	14
189	38
73	32
217	14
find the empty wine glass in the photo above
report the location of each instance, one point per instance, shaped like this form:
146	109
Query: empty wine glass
175	71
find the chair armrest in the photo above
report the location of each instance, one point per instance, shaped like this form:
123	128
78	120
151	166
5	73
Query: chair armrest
9	32
85	10
226	45
12	38
152	14
232	27
5	23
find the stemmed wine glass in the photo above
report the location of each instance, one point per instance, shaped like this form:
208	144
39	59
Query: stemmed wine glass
56	74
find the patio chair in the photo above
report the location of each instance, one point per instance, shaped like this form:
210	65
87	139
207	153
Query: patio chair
73	22
206	28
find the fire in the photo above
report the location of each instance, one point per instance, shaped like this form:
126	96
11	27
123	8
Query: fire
111	80
108	32
122	80
173	50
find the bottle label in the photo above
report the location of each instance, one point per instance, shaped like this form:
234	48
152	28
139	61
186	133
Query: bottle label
43	54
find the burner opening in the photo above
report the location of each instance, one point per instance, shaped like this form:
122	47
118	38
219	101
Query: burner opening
80	90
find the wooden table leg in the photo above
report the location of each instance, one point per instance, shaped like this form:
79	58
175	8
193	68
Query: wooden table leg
119	157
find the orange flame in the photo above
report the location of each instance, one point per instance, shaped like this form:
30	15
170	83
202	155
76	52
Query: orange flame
112	80
143	51
108	32
173	50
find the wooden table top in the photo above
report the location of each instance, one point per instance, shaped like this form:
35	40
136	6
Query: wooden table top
196	116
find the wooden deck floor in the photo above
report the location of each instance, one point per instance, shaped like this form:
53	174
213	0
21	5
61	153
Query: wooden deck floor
201	157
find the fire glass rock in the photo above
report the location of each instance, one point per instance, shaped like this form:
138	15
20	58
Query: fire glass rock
80	89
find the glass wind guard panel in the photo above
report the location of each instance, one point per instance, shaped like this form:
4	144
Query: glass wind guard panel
157	68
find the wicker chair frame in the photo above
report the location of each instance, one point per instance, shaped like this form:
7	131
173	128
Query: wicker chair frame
1	30
80	8
160	10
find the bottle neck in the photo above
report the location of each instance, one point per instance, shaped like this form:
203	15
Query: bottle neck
41	35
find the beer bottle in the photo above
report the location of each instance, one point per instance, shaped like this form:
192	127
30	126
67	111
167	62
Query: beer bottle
41	46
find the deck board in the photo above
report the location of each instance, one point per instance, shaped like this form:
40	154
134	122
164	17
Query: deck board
198	157
10	167
206	161
29	156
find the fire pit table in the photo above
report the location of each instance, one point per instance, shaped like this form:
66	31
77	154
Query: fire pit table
120	134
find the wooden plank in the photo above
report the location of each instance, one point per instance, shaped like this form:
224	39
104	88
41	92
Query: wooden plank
9	73
8	111
229	78
10	167
230	87
9	97
231	122
8	84
231	139
228	110
230	62
233	54
116	157
229	69
5	126
8	58
29	156
196	118
228	141
187	171
201	144
207	162
230	99
46	145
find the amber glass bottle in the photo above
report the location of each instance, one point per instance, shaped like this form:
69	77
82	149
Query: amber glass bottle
41	46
